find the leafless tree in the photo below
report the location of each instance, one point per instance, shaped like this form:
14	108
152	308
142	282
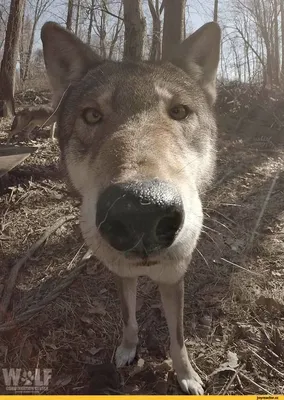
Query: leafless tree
24	39
69	15
39	8
78	8
116	29
91	20
155	52
215	17
9	60
282	40
261	39
173	31
134	30
4	14
107	27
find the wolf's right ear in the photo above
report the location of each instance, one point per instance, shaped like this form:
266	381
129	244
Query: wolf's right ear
199	54
66	58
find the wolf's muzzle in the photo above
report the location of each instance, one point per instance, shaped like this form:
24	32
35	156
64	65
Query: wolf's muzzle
140	218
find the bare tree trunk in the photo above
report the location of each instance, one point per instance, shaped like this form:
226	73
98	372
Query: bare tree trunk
103	35
69	15
264	26
30	49
118	28
173	25
22	49
77	16
246	48
155	52
90	28
9	60
282	40
135	25
276	45
215	18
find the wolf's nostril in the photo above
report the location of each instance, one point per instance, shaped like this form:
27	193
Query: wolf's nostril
116	232
167	228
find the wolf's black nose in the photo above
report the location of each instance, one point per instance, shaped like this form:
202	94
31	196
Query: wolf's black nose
140	217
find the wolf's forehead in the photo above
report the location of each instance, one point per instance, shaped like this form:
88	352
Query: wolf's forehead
122	80
133	87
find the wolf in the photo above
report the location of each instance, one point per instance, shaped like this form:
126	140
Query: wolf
31	117
138	141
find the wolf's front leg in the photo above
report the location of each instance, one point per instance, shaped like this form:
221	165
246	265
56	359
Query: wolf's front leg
173	302
125	353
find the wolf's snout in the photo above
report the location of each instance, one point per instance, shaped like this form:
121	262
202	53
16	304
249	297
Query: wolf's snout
140	217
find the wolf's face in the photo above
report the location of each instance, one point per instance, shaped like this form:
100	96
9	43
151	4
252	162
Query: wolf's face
138	143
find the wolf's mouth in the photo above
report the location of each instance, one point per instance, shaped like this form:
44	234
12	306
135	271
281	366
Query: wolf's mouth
145	263
140	260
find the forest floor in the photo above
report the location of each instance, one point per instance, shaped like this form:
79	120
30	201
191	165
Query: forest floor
64	313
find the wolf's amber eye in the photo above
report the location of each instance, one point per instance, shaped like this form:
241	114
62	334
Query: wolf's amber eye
179	112
91	116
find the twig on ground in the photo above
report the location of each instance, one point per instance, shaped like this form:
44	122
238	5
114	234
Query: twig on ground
8	291
254	383
239	266
240	382
221	180
227	387
267	363
202	256
262	211
52	295
240	122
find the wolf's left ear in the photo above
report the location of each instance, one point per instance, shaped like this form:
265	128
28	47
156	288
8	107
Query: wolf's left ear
199	54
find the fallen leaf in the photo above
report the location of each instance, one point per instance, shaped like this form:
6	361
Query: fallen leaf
158	305
27	350
233	361
204	328
88	255
97	308
235	244
230	365
93	351
269	303
277	273
137	368
278	341
52	346
64	381
140	362
91	270
165	366
86	320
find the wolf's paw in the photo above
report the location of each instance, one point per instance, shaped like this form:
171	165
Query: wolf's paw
191	384
124	356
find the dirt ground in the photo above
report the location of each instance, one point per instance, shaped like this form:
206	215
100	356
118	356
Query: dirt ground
64	313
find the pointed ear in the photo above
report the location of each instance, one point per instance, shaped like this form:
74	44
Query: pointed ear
199	54
67	58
